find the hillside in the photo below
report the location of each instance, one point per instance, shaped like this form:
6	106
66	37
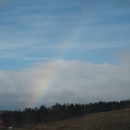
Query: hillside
114	120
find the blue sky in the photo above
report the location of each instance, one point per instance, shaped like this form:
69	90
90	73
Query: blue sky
62	30
59	32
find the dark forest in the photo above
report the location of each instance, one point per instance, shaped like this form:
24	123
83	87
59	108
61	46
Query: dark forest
42	114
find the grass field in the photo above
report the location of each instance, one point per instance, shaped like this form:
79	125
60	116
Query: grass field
114	120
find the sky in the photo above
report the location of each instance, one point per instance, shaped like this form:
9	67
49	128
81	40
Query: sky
62	51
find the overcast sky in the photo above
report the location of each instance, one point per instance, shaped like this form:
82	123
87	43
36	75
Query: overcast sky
64	51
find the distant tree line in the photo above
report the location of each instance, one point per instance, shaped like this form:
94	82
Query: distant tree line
42	114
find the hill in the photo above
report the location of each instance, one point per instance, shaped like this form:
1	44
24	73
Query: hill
113	120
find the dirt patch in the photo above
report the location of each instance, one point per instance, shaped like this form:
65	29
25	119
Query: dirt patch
61	127
41	127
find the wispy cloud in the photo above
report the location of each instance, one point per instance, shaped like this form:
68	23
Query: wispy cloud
45	30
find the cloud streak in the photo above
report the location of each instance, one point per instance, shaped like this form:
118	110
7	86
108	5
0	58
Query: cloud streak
40	31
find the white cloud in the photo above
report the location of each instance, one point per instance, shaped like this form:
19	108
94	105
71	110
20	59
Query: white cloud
64	81
123	58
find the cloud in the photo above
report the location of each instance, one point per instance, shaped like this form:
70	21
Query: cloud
63	81
124	58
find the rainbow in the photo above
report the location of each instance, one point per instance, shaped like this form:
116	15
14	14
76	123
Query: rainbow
44	86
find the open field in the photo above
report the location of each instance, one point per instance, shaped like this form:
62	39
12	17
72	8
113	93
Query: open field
114	120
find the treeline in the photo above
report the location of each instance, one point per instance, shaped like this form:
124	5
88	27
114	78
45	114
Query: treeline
60	112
